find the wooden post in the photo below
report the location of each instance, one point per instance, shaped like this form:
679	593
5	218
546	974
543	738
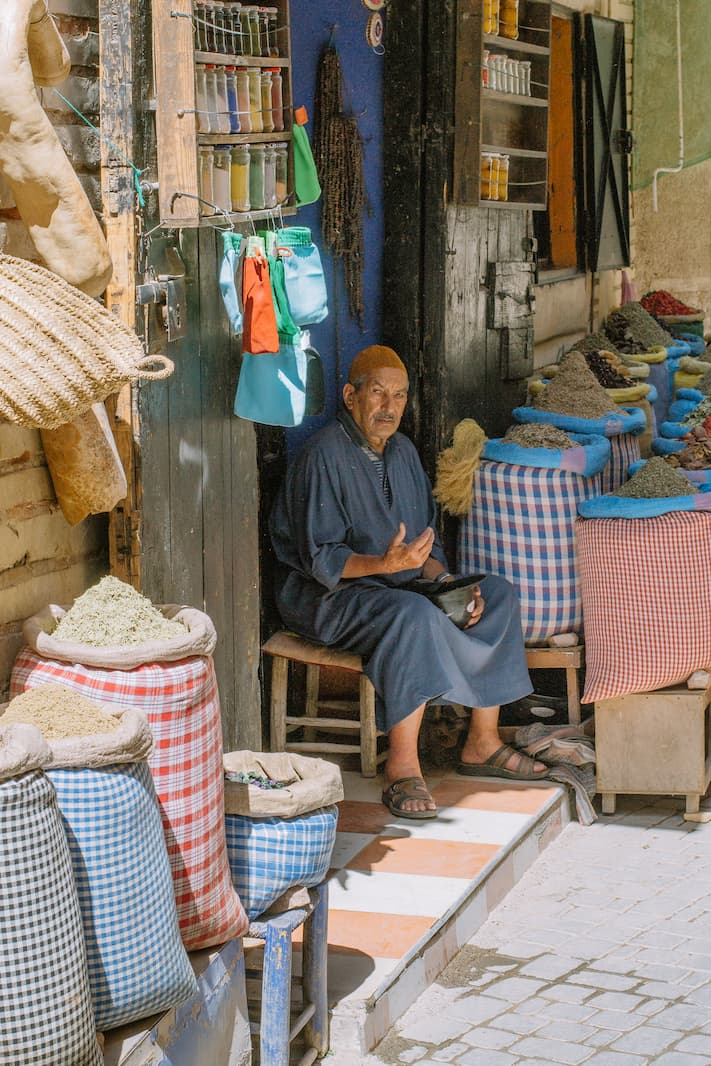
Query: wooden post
280	679
368	733
118	194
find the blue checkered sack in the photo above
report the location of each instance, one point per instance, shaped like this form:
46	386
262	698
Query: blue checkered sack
45	1004
521	528
267	856
136	959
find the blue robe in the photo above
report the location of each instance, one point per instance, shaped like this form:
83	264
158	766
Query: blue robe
331	505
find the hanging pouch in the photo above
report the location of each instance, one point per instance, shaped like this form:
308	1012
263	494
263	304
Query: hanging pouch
281	388
230	272
303	276
285	323
306	184
260	327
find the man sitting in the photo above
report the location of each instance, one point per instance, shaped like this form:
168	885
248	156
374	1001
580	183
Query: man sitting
354	522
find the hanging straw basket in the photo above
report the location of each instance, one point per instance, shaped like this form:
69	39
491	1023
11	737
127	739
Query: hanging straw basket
60	350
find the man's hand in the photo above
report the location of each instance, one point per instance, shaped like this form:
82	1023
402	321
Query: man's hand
478	611
401	556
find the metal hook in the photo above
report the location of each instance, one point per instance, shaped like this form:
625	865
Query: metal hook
215	207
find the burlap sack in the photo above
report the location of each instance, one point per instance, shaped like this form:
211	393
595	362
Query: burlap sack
200	639
85	466
22	748
310	784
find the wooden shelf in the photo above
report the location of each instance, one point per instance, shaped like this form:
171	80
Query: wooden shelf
218	59
523	153
516	205
508	45
494	96
244	138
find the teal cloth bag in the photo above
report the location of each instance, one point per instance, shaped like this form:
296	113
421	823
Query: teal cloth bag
230	279
304	280
281	388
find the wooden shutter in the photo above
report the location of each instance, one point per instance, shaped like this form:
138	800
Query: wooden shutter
608	142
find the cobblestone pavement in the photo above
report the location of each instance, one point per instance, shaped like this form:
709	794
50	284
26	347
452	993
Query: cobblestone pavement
600	955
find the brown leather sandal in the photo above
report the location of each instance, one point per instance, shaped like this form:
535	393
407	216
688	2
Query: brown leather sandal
495	766
407	788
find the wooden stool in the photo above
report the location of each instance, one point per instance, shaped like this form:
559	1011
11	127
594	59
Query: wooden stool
274	1023
286	648
570	659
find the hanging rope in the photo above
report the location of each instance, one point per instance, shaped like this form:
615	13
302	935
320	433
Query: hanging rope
338	153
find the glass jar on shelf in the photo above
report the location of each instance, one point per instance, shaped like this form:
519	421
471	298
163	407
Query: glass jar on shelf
223	108
277	100
206	159
219	17
273	32
508	19
208	28
198	26
263	14
491	16
270	193
255	99
221	178
202	105
232	102
502	182
266	93
211	97
255	46
281	164
256	177
244	31
239	177
243	108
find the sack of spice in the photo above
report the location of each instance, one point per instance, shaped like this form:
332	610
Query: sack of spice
575	401
637	636
123	650
137	964
46	1015
280	822
539	471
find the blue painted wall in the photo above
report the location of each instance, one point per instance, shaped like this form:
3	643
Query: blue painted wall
339	337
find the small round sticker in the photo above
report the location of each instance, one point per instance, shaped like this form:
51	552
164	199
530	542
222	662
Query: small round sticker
374	31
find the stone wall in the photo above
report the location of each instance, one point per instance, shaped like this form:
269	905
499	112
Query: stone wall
42	558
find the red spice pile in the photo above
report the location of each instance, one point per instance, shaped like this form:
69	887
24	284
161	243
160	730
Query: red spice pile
661	302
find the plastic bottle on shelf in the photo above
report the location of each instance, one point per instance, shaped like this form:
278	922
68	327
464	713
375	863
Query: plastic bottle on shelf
524	67
281	152
208	28
277	99
223	124
485	177
255	99
221	178
239	177
227	21
273	31
266	92
202	106
232	105
243	108
255	45
485	67
198	26
206	159
256	177
237	41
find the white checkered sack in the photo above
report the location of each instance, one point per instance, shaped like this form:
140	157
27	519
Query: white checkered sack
521	527
136	960
46	1015
181	702
646	587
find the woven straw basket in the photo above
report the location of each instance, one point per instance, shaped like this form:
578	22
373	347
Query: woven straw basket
60	350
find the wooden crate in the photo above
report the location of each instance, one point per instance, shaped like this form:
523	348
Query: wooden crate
654	743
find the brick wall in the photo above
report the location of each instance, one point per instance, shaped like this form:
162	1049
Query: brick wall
42	558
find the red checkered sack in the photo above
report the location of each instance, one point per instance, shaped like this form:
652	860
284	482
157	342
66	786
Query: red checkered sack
646	587
181	702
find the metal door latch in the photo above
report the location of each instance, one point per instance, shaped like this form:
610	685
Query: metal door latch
168	291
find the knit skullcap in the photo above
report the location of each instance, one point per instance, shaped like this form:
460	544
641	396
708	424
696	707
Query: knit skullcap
375	357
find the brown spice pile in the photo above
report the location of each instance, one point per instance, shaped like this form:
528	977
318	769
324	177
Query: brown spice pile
594	342
575	391
704	384
112	613
539	435
654	480
631	323
59	713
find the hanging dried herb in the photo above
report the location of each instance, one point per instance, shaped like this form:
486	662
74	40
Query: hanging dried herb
338	153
